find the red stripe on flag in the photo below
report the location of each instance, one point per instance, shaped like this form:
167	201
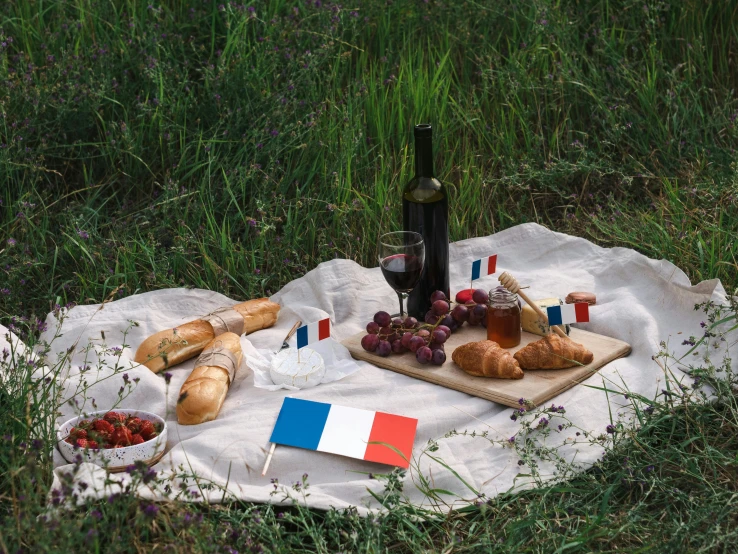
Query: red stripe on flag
581	309
492	264
324	328
394	430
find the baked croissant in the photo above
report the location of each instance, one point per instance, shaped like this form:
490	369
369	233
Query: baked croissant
553	352
487	359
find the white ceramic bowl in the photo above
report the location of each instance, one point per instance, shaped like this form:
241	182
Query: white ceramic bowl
115	459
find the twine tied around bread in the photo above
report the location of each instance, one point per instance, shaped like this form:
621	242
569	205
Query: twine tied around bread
225	320
219	356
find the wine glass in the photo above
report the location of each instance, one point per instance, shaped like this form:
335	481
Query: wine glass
401	257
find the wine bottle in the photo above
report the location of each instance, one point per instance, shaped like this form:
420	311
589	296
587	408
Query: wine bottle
425	211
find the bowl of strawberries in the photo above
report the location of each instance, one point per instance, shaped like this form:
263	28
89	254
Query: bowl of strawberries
114	439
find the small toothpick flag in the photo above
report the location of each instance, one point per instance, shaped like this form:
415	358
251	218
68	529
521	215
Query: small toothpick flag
485	266
313	332
568	313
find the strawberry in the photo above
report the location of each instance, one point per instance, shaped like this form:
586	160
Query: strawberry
114	417
92	444
77	433
103	426
82	443
134	424
148	431
84	424
137	439
121	437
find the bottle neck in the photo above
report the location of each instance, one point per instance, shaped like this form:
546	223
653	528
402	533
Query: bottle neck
423	157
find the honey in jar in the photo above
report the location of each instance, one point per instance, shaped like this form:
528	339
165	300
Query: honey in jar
503	317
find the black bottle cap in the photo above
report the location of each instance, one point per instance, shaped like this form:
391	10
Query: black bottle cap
423	130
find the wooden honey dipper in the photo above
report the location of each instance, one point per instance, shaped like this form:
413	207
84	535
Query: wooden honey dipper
511	284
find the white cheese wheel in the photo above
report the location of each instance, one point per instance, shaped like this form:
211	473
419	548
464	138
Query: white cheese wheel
308	372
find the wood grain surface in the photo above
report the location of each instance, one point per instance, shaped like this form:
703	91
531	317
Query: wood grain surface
538	385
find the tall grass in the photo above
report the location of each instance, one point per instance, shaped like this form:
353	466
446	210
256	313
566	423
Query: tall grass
233	146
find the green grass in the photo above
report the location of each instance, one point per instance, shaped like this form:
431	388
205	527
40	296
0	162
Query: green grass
187	145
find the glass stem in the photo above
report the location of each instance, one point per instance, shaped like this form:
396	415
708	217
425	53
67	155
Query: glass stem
401	296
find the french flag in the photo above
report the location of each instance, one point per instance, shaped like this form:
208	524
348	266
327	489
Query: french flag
351	432
485	266
568	313
313	332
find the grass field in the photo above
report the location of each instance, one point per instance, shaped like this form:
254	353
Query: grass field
233	146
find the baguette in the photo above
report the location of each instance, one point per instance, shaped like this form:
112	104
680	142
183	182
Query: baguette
167	348
204	391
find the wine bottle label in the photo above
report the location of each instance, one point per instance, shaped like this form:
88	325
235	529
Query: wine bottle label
219	356
225	320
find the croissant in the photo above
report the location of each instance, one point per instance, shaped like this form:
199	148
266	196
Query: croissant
487	359
553	352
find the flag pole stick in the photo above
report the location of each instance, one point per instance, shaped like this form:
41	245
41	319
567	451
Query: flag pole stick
269	458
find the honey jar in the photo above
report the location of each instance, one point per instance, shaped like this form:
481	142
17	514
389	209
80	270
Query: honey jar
503	317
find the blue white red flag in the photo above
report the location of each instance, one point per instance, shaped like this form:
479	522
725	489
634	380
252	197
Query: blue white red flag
568	313
351	432
313	332
483	267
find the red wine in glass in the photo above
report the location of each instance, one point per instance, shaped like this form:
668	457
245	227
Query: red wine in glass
402	271
401	257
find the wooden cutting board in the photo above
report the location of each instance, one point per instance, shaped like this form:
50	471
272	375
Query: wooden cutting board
538	385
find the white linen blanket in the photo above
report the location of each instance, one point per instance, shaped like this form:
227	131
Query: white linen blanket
639	300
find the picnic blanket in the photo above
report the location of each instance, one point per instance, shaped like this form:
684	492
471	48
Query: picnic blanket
639	300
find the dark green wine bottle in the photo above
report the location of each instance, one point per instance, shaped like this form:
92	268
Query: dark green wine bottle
425	211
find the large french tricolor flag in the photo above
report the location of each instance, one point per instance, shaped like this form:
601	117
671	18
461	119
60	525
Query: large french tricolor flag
351	432
313	332
568	313
483	267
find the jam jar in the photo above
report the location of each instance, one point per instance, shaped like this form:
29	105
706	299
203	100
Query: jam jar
503	317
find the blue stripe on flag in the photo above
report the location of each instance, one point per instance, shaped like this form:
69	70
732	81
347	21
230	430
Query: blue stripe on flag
300	423
302	336
476	267
554	315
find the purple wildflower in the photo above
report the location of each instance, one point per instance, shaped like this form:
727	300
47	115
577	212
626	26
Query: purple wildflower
83	234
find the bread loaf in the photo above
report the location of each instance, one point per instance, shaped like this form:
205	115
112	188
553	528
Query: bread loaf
204	391
167	348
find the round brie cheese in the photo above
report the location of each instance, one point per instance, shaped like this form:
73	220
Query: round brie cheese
286	370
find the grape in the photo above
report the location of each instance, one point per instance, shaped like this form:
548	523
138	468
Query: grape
424	354
423	333
370	342
454	325
438	357
473	319
384	348
460	313
440	307
406	338
416	343
410	323
438	295
372	327
480	296
480	311
446	321
484	323
397	347
397	322
439	336
431	318
382	319
435	346
446	329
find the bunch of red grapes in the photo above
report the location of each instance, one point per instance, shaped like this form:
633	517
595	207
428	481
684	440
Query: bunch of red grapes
426	340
